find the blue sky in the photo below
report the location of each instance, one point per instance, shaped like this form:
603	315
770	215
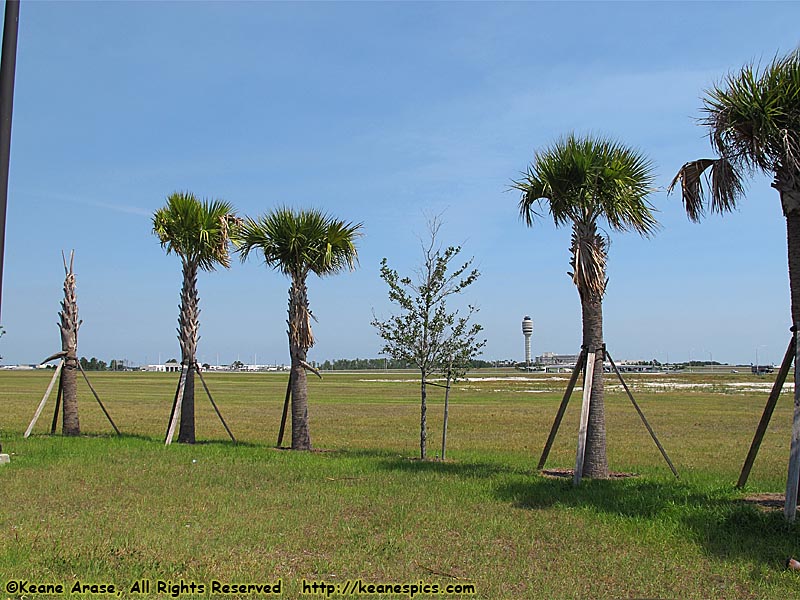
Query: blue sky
376	112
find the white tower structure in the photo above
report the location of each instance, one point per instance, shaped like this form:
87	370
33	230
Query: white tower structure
527	331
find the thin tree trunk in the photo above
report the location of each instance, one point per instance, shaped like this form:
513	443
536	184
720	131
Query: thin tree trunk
188	328
300	339
69	343
423	419
595	462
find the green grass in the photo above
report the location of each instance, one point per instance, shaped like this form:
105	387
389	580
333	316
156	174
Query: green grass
105	509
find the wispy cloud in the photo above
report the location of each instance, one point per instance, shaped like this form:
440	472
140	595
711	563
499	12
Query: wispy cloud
74	199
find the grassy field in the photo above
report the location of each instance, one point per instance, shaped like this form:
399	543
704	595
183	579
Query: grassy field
107	509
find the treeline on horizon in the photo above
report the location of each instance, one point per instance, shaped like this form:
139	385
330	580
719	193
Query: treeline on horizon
371	364
93	364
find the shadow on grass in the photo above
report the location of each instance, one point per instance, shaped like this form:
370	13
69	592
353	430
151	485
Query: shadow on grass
392	461
160	440
714	518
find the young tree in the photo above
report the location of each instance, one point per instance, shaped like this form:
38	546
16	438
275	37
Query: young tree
297	243
424	333
200	234
583	182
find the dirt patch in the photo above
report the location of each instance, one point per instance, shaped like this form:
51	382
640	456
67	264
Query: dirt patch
767	501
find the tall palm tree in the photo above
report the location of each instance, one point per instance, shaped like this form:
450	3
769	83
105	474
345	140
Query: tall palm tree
296	244
199	232
585	182
753	121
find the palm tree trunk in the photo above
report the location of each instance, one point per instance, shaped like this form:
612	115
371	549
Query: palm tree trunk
69	381
188	327
186	431
589	254
595	464
69	344
301	439
300	340
790	199
423	420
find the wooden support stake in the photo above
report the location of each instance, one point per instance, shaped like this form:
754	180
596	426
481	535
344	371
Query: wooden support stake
587	398
790	506
767	415
174	404
176	408
96	397
285	410
444	426
641	415
44	399
58	405
562	409
214	404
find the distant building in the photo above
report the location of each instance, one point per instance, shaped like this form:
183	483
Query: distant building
165	368
551	359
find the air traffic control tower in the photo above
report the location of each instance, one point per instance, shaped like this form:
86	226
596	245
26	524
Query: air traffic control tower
527	331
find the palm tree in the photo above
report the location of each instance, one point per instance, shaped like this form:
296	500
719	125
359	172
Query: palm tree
753	120
69	325
200	233
583	182
296	244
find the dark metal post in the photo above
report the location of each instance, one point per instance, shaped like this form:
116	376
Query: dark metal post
8	66
285	410
59	395
214	404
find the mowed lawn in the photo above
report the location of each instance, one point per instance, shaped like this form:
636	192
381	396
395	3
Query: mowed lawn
107	509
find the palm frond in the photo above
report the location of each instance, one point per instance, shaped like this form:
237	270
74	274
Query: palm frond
724	186
533	194
298	242
753	116
586	179
198	231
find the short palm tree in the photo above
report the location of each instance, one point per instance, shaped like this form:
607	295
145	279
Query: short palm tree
296	244
199	232
584	182
69	325
753	120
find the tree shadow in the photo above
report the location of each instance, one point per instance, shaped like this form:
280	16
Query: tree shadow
158	439
227	442
394	461
714	518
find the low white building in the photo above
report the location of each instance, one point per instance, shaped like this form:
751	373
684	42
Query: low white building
165	368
